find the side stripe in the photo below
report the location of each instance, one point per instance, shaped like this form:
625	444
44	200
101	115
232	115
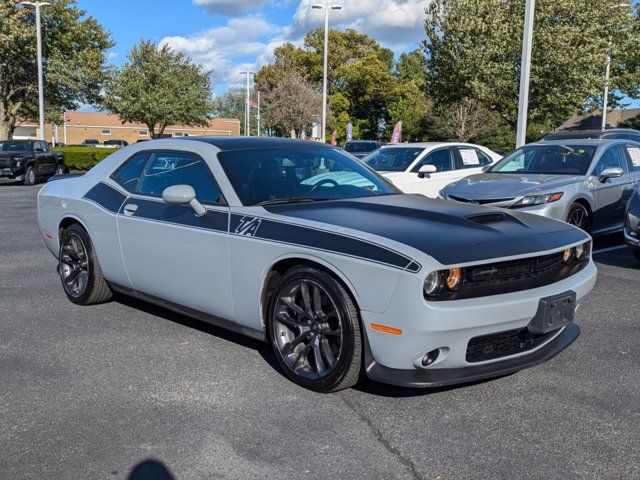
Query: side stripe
106	196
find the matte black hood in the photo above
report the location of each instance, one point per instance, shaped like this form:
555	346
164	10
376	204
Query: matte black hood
450	232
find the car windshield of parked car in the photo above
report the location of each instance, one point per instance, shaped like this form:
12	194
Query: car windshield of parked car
548	159
394	159
14	146
299	174
359	147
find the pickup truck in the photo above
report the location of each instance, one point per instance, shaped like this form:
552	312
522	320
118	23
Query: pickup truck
27	161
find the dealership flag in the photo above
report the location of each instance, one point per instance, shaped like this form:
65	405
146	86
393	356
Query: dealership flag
397	133
349	131
333	137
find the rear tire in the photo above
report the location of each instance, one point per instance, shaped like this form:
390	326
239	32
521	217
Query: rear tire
61	170
30	176
579	216
314	329
79	269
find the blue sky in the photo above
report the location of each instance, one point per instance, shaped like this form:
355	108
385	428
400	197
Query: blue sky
229	36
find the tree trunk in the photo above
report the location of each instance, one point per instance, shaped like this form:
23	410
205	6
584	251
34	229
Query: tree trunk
6	132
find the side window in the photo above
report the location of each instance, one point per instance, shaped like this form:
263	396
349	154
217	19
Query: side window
441	159
611	158
165	169
37	147
128	175
473	157
634	155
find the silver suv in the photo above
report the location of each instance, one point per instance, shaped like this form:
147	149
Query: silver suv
586	183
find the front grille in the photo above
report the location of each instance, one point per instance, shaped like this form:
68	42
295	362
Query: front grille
5	162
512	276
480	202
503	344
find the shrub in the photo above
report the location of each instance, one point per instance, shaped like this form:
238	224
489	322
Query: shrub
83	158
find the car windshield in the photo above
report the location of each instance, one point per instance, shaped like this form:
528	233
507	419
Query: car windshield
14	146
299	174
394	159
548	159
360	147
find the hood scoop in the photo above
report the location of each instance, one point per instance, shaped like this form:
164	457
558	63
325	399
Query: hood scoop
485	218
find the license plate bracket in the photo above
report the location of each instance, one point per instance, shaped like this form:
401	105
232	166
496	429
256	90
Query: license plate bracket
554	312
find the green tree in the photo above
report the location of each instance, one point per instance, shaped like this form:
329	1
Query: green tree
474	48
411	105
412	67
465	121
73	61
358	68
159	87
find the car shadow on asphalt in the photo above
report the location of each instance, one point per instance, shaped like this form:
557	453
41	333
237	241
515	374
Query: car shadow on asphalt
622	258
262	348
151	469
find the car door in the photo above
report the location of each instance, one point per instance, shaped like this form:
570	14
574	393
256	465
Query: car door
168	251
43	157
431	184
612	194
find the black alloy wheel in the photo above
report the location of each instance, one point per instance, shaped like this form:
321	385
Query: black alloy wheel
578	216
315	331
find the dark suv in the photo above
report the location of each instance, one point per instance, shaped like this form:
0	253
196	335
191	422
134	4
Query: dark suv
27	160
609	133
361	148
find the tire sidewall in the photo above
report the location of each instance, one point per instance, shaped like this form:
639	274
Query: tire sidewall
81	233
577	206
330	285
30	177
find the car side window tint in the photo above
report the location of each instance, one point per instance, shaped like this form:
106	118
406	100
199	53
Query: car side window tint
611	158
128	175
442	159
634	155
166	169
37	147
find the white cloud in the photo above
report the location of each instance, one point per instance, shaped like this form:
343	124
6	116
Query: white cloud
112	55
396	24
229	7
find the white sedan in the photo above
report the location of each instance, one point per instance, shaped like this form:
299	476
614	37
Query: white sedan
426	168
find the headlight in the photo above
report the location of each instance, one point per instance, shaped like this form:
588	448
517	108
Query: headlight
444	280
531	200
432	283
581	251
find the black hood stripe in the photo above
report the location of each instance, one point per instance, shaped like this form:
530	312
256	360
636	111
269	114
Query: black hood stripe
106	196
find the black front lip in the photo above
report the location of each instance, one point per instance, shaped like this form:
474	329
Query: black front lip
425	378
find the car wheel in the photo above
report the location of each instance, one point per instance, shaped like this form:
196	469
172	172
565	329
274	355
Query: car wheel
60	170
80	270
636	253
30	176
314	329
578	216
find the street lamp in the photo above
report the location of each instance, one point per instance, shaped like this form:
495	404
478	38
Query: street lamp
247	108
326	8
525	73
605	99
37	6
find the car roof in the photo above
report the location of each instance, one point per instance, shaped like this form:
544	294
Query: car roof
363	141
579	141
245	143
423	144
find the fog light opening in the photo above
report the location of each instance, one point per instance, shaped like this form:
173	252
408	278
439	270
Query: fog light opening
430	357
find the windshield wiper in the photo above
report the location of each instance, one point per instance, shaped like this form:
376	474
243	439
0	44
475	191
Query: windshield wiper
277	201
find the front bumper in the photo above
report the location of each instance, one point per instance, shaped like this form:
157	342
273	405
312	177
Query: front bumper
14	173
633	240
430	378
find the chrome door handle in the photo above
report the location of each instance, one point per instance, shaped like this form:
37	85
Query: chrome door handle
130	209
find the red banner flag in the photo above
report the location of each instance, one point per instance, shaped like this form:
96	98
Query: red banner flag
333	137
397	133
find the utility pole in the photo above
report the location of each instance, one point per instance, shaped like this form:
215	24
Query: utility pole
326	8
37	6
247	108
525	73
258	116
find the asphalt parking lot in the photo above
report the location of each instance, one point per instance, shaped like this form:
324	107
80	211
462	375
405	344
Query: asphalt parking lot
125	390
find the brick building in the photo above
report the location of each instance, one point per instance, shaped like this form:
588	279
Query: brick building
81	126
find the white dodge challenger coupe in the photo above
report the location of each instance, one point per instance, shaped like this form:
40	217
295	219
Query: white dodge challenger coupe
303	246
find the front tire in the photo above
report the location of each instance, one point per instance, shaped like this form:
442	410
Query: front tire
30	176
314	329
579	216
79	269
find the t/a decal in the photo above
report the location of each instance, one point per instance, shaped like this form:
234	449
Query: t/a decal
248	226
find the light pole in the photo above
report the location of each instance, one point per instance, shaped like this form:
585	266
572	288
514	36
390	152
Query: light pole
607	74
37	6
326	8
247	107
258	115
525	73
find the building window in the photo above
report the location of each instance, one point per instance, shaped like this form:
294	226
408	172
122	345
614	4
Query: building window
143	133
105	131
178	134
